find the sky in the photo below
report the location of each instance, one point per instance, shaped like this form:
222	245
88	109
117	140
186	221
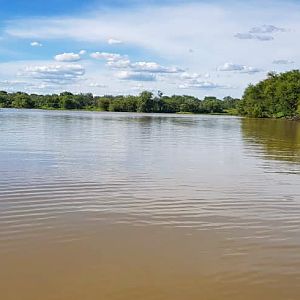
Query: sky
200	48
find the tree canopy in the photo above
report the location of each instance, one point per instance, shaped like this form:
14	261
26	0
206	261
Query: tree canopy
275	97
145	102
278	96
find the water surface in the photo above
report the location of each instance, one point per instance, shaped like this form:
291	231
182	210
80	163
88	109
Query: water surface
148	206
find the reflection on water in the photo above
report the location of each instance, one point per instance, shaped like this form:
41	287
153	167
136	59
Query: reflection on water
125	206
279	139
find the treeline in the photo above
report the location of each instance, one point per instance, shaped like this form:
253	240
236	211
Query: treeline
277	96
145	102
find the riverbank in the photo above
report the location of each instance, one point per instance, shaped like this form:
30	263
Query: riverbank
145	102
225	113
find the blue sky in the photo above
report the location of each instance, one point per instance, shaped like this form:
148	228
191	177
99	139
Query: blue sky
43	8
110	47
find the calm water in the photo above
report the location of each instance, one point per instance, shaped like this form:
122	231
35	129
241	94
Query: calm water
133	206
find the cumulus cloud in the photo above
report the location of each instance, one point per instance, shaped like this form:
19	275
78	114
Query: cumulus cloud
17	85
136	76
193	77
283	62
250	70
142	66
260	33
199	85
138	88
250	36
196	81
230	67
97	85
190	76
113	60
266	29
67	57
107	56
55	74
10	82
153	67
13	83
36	44
82	52
119	64
244	36
118	61
195	25
264	38
114	42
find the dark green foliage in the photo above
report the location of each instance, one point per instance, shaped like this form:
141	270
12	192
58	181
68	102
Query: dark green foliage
23	100
102	103
4	99
275	97
146	102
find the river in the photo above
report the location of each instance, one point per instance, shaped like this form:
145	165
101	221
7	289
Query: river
148	206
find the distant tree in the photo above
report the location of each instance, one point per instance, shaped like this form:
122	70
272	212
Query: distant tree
4	99
145	102
102	103
68	101
22	100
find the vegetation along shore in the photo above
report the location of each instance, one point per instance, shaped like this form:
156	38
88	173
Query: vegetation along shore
278	96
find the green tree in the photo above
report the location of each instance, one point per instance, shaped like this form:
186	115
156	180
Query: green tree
145	102
4	99
68	101
276	96
22	100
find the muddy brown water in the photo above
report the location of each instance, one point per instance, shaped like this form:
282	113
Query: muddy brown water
141	206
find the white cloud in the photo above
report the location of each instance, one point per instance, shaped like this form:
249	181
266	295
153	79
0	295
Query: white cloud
251	70
113	60
250	36
266	29
264	38
17	85
127	75
36	44
114	42
107	56
55	74
165	33
283	62
244	36
229	67
138	88
119	64
191	76
200	85
196	81
153	68
260	33
97	85
67	57
82	52
9	84
118	61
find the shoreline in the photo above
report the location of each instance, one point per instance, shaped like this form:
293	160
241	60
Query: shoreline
292	119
